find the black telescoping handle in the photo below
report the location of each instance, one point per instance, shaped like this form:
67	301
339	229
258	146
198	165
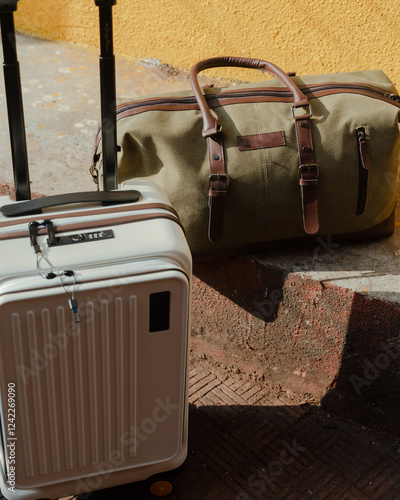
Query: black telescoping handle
108	95
37	205
12	81
15	104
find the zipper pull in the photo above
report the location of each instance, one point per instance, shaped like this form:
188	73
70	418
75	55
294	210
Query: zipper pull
363	148
73	304
394	97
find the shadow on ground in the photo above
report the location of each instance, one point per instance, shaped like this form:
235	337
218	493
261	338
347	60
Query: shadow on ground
280	452
367	386
303	334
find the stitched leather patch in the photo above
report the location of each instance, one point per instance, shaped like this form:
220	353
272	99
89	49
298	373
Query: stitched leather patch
261	141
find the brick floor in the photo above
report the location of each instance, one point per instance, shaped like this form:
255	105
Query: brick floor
248	442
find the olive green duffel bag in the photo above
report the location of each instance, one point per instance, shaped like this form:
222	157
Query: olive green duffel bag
253	164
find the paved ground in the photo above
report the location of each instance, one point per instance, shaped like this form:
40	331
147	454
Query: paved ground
248	439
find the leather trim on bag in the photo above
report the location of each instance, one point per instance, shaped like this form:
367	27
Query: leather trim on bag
261	141
215	101
221	99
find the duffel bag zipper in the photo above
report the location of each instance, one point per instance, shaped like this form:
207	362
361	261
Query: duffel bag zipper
249	95
364	164
254	93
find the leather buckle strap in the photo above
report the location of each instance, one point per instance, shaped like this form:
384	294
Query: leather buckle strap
308	187
308	115
309	172
218	187
218	184
308	168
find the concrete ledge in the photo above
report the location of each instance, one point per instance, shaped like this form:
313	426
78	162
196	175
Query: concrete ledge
322	320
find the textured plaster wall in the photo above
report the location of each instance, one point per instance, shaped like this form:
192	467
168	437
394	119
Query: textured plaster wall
307	36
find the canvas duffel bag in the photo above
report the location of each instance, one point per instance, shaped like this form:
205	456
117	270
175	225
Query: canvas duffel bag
252	164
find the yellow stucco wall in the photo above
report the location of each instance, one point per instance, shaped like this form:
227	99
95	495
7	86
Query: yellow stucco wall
306	36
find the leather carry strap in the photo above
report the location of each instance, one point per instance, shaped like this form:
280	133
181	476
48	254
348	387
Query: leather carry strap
218	187
309	172
210	123
35	206
219	179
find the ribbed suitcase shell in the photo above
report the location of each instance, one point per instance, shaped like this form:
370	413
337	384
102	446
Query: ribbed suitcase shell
102	402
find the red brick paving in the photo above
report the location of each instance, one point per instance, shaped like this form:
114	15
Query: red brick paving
247	442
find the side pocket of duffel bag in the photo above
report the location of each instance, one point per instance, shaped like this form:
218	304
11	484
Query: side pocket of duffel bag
364	164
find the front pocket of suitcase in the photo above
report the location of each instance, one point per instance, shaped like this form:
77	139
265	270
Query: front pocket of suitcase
107	392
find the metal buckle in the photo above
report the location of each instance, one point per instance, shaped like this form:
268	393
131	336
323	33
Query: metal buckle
306	169
218	177
309	115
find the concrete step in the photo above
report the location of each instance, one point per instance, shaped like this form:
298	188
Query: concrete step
319	320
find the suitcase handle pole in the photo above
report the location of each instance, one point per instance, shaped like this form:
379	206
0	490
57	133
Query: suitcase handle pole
12	81
36	206
108	95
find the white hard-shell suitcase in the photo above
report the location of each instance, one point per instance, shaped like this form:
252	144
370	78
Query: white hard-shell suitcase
94	315
100	402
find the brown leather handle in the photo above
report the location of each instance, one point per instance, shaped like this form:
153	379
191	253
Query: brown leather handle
210	125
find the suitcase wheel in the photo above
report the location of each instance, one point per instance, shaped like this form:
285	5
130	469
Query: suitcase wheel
160	486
